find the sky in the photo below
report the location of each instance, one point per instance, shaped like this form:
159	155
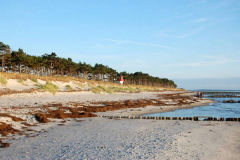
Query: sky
195	43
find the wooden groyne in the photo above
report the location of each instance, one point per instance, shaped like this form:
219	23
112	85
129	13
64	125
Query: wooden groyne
220	94
231	101
196	118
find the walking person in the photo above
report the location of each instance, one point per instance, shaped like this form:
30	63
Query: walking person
201	95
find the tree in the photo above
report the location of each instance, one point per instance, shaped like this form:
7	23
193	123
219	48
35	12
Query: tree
112	74
19	57
50	61
100	70
85	69
71	67
4	50
51	65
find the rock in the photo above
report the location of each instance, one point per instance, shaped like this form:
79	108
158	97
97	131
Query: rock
231	101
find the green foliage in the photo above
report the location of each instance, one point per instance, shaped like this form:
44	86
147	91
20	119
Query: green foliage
34	80
48	87
69	87
52	65
4	48
3	81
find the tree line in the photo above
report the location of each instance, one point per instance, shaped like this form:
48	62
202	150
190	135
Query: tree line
52	65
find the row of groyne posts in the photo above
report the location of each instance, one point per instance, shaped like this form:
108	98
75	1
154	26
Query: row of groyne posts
221	94
175	118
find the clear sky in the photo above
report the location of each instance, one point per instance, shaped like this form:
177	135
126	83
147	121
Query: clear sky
174	39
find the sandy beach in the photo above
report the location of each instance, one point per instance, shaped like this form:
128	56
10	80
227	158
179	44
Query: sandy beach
120	80
100	138
103	138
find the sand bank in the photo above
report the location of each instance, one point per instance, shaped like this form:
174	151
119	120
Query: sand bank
154	109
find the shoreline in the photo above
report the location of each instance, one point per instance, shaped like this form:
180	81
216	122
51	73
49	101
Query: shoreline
16	104
154	109
174	108
103	138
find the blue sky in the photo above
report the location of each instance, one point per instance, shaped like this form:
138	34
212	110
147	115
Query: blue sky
175	39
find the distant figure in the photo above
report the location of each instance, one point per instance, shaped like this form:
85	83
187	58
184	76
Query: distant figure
198	94
201	94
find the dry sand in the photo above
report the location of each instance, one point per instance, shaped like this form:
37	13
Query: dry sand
102	138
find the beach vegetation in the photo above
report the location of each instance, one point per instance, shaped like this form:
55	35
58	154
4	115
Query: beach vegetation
119	89
106	89
69	88
21	81
131	89
34	80
96	90
102	89
81	85
3	81
48	87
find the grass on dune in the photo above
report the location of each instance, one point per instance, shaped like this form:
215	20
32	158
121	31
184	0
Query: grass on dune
3	80
81	85
21	81
96	86
100	89
48	87
69	88
44	78
34	80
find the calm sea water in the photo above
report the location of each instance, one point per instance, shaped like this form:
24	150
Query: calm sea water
219	109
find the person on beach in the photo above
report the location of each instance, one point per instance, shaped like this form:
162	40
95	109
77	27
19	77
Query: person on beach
201	95
197	94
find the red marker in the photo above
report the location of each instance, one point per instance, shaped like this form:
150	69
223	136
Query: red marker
121	80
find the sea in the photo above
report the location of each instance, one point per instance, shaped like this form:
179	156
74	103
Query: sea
218	109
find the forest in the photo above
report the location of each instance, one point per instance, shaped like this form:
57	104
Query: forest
52	65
